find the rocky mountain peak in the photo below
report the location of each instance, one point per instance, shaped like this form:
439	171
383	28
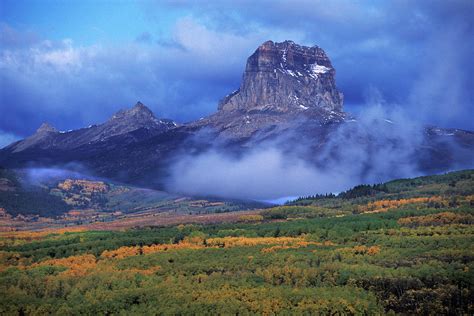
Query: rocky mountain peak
286	77
138	111
44	134
130	125
136	117
140	108
46	128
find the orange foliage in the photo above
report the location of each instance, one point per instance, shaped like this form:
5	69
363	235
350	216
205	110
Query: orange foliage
228	242
166	247
224	242
121	252
77	265
84	186
124	252
74	213
373	250
443	218
385	205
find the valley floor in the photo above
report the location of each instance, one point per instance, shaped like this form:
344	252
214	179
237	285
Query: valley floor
125	221
405	247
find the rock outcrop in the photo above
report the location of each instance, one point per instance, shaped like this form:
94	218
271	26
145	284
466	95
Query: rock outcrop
46	128
285	77
285	86
137	117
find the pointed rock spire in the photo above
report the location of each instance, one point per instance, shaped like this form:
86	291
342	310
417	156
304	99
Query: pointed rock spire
139	110
46	128
138	116
139	105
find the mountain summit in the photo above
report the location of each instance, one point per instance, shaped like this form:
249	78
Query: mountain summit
284	77
46	128
128	125
139	112
139	116
284	86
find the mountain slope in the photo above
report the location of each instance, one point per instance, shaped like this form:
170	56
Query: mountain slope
138	119
70	197
288	99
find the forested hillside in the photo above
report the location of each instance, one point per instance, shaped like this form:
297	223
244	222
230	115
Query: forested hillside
403	247
33	201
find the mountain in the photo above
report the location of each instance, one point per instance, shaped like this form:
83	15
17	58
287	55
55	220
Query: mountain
284	85
288	98
102	149
285	77
139	120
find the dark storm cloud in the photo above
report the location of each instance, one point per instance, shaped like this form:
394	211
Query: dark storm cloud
418	54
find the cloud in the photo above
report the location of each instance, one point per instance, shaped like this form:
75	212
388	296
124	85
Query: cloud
442	93
381	145
38	176
256	176
416	53
7	138
73	86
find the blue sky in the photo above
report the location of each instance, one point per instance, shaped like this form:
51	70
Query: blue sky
75	63
88	22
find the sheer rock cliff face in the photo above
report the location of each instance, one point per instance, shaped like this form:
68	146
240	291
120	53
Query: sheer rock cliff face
285	77
285	87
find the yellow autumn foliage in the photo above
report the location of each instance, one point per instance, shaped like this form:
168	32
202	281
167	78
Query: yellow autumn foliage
124	252
443	218
77	265
385	205
227	242
36	235
197	242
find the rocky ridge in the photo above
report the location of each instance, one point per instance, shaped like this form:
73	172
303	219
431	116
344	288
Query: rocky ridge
137	118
